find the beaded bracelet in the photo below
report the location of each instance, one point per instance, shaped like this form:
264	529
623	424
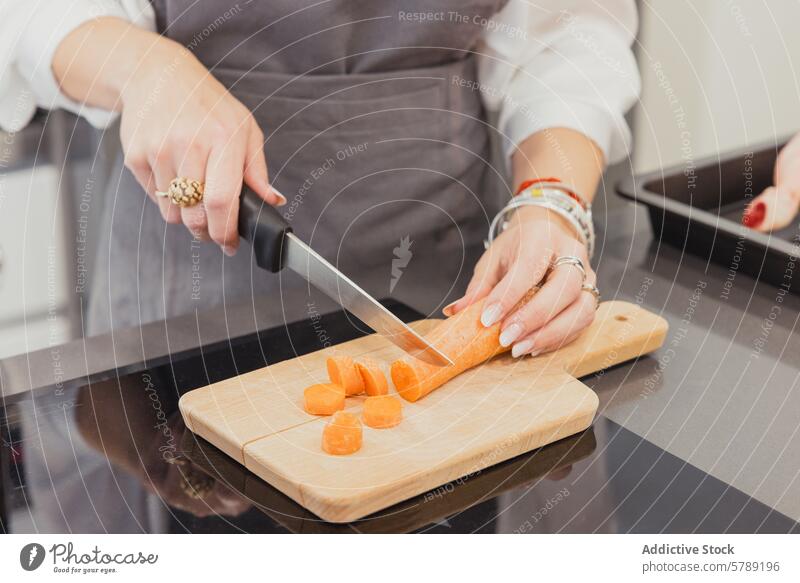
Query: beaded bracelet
555	182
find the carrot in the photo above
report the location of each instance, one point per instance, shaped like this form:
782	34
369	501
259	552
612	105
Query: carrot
323	399
342	435
464	339
342	371
374	380
383	411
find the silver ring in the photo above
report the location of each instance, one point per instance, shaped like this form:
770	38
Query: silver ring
592	289
571	260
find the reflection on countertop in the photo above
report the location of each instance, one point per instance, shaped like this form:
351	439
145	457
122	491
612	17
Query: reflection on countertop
114	456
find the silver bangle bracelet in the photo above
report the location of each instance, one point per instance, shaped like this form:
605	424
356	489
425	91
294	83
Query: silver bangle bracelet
580	220
571	206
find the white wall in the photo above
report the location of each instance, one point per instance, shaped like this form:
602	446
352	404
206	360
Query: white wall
717	75
34	264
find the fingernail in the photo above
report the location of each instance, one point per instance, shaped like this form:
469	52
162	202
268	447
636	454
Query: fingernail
521	348
448	309
280	197
754	215
491	315
510	334
228	250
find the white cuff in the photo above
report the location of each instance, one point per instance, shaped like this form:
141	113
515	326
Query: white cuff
49	25
606	129
17	105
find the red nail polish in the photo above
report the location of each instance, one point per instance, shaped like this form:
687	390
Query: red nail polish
754	215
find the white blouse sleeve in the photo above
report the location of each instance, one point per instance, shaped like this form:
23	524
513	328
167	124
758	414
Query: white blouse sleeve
30	32
561	64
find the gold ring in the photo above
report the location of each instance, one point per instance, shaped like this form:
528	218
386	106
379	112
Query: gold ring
183	192
196	484
592	289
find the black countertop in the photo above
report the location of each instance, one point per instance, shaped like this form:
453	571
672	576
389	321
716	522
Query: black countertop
699	437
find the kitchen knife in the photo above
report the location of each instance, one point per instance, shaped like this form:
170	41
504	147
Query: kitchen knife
276	247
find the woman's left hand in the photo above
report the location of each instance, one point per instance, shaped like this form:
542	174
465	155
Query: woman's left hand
517	260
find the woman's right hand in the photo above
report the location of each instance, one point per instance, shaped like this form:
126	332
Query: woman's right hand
177	121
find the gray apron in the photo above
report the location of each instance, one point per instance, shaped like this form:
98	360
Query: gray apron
374	132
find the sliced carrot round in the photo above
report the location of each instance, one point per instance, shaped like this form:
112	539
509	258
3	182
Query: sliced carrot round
323	399
383	411
372	376
342	371
342	435
406	379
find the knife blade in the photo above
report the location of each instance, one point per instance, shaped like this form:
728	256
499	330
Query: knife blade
276	247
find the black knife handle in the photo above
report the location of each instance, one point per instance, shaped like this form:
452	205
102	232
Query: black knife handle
264	227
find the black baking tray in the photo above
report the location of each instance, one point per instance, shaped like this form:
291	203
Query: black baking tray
698	208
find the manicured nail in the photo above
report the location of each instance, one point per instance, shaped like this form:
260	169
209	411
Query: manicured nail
448	309
228	250
754	215
279	196
491	315
521	348
510	334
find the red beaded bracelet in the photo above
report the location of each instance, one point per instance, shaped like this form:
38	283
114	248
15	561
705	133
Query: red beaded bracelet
568	191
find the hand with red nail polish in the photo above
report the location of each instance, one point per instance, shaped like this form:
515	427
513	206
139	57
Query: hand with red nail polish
773	209
777	206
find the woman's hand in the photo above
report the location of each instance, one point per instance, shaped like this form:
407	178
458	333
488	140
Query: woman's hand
177	121
519	259
181	484
777	206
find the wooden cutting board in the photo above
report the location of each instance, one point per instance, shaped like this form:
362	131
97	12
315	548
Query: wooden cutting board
421	511
485	416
